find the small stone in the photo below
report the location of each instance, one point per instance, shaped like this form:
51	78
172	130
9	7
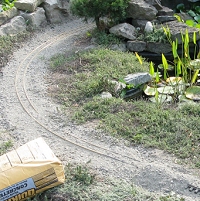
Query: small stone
106	95
148	27
137	78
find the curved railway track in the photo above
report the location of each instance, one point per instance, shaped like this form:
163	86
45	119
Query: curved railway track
29	107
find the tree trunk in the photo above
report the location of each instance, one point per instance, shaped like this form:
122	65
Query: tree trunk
97	21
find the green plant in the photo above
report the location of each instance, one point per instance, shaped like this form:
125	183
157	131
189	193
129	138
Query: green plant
193	11
115	10
102	38
157	35
104	189
82	175
186	70
5	146
7	4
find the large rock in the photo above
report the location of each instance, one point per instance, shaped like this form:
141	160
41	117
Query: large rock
28	5
137	78
136	46
176	28
139	9
124	30
155	3
55	10
139	23
158	47
35	19
6	15
15	26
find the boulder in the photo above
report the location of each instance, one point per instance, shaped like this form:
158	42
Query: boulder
139	23
124	30
165	18
8	14
64	5
166	11
53	10
35	19
158	48
139	9
28	5
136	46
137	78
118	47
15	26
155	3
176	28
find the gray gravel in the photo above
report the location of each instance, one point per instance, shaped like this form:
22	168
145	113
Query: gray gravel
151	169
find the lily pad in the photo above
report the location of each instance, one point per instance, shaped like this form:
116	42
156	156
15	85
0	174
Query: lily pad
162	98
149	91
170	67
174	80
183	98
193	93
166	90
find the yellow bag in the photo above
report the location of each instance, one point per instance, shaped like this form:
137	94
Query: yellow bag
28	170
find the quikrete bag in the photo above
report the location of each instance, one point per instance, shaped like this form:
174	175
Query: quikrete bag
29	170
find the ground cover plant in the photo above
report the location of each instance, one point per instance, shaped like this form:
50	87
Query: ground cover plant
82	184
8	44
168	127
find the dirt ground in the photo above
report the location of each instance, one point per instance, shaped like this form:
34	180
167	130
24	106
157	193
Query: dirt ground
28	112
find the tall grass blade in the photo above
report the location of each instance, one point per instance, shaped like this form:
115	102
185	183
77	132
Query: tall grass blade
138	57
194	77
165	66
174	49
151	70
178	67
194	38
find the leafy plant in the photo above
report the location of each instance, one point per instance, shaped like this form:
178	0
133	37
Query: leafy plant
7	4
157	35
102	38
185	68
115	10
5	146
193	12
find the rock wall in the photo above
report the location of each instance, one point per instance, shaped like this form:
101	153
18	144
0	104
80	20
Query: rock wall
32	13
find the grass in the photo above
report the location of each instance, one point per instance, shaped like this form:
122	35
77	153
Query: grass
82	184
5	146
8	44
167	127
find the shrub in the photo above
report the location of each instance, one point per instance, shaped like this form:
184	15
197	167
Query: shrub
115	10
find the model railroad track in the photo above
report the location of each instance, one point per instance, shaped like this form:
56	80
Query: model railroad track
28	105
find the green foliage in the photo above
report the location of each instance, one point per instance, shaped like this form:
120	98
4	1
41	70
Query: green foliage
157	35
82	175
115	10
5	146
7	4
193	12
100	189
8	45
101	65
102	38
